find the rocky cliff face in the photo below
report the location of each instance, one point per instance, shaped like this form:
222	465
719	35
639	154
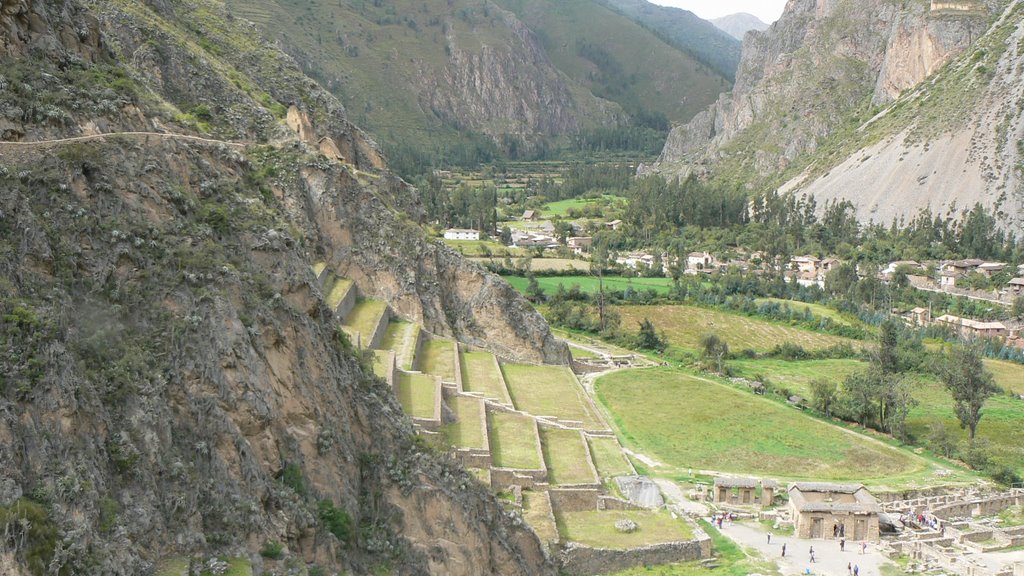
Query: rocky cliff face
800	81
172	384
947	144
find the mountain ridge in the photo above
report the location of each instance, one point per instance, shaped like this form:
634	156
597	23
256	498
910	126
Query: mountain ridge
737	25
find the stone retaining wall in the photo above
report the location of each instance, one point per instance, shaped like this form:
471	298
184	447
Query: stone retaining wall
579	560
974	508
348	302
502	478
574	499
373	342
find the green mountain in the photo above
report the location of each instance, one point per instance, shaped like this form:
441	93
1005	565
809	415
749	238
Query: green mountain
461	79
708	43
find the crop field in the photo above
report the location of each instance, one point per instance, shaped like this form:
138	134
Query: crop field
565	455
365	317
537	513
549	391
418	394
589	284
684	326
597	528
608	457
542	264
1008	375
480	373
684	421
467	431
437	357
513	441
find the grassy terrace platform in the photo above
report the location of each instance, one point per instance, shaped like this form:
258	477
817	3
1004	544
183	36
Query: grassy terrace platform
382	363
339	287
537	513
513	441
549	391
319	268
565	455
480	374
437	357
467	431
418	395
684	326
685	421
400	337
608	457
365	318
597	528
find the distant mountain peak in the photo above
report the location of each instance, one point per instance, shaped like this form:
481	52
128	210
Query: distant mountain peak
737	25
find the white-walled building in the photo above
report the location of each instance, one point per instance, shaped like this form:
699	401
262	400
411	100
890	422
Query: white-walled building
461	234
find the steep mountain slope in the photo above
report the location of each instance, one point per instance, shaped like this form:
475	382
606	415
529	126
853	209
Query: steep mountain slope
819	71
172	383
953	141
454	78
737	25
686	31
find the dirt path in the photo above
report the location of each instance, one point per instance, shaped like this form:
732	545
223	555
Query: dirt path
163	135
829	560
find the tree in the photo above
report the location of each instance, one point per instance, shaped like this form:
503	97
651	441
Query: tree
970	384
648	337
1018	306
824	394
714	348
534	293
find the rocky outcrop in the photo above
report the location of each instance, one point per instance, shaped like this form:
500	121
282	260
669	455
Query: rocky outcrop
801	80
172	384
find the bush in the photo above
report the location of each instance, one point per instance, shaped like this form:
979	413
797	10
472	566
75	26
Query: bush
336	520
1003	474
291	477
273	550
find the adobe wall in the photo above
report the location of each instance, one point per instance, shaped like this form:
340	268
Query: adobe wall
579	560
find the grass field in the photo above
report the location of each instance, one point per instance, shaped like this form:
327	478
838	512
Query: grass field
597	528
537	513
544	264
562	207
565	455
1002	422
437	357
477	248
400	337
816	309
513	443
608	457
684	326
1008	375
467	431
549	391
417	394
578	352
589	284
365	317
480	373
339	288
688	422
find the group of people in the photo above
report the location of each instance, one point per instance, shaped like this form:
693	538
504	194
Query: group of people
852	569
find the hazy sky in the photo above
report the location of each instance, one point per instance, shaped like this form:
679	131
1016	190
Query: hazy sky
767	10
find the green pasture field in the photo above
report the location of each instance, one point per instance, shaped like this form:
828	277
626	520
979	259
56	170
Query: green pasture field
418	394
597	528
685	421
608	457
565	455
685	325
1002	421
561	208
549	391
437	357
513	442
816	309
1009	375
478	248
467	430
589	284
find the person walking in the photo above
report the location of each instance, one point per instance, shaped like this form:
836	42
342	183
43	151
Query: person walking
849	568
863	547
856	570
812	554
842	545
769	537
783	549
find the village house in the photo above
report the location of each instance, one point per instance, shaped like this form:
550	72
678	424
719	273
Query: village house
833	511
968	328
527	240
1016	285
530	215
580	244
700	262
990	268
920	316
633	260
951	271
613	225
828	265
806	267
890	269
461	234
